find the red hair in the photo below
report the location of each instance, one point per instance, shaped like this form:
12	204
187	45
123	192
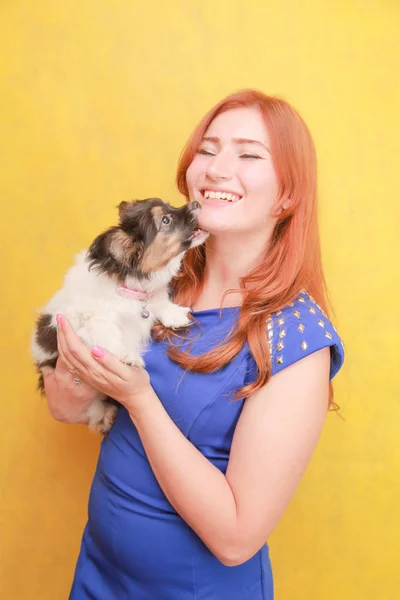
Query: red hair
293	261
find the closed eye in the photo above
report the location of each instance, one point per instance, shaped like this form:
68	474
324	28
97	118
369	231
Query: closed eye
250	156
205	152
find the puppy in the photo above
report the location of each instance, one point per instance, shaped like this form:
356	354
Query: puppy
118	288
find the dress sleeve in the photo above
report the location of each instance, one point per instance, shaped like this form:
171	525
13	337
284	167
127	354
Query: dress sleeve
300	330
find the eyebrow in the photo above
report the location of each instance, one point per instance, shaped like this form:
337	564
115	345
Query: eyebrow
217	140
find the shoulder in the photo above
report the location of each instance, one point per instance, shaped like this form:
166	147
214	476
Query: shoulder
300	329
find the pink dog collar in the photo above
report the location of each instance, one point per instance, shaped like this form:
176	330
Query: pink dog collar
134	294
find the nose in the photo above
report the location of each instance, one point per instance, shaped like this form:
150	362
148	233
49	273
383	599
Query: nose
220	167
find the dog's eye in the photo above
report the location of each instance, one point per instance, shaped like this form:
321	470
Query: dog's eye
165	220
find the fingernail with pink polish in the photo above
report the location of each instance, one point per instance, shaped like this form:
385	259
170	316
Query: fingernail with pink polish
97	352
60	320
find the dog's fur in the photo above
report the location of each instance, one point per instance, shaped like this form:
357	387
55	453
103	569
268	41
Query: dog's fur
143	252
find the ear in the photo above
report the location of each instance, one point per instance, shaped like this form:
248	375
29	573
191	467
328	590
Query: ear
113	251
286	203
122	206
126	209
125	249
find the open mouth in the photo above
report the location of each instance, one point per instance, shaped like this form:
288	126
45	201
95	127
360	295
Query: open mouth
197	233
222	196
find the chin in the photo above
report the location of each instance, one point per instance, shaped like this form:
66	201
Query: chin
118	289
215	226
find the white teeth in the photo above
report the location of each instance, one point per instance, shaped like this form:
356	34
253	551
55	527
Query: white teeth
221	196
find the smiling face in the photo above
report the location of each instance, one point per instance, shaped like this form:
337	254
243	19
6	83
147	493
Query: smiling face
232	174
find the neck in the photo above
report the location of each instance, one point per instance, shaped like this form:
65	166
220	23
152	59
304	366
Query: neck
229	259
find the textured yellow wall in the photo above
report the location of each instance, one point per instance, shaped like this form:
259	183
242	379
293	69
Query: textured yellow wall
97	99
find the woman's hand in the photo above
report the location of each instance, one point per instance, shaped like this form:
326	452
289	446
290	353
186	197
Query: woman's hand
67	401
102	370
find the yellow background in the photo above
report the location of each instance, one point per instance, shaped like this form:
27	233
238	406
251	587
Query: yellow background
97	99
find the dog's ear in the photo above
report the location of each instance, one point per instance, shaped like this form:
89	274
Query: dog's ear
122	208
124	248
115	252
130	210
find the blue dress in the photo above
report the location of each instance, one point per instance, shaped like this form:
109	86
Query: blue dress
135	546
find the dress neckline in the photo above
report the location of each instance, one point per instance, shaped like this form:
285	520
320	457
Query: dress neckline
206	311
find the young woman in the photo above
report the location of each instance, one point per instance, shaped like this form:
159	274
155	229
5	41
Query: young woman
215	434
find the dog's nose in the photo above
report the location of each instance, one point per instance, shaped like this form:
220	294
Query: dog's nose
194	205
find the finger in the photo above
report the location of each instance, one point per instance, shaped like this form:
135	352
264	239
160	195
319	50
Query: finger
63	364
78	355
70	341
103	359
66	365
73	372
66	371
111	363
74	351
53	377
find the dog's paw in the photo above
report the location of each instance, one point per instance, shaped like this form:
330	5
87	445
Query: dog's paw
176	317
133	360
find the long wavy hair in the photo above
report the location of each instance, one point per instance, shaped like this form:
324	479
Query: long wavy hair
293	258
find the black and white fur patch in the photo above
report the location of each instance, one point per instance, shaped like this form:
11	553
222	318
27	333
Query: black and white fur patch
143	252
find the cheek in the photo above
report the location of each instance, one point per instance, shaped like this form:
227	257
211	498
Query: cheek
192	174
261	183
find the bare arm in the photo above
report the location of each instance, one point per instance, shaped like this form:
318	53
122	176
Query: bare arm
274	440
